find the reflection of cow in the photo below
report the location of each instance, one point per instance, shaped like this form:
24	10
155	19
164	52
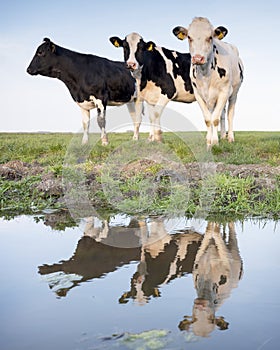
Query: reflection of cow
217	270
104	248
92	258
162	260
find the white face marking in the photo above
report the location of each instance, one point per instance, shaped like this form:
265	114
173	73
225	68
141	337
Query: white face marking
133	39
200	36
174	53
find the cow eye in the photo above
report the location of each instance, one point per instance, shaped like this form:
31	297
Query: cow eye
40	53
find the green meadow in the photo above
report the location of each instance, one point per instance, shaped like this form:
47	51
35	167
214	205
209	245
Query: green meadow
118	178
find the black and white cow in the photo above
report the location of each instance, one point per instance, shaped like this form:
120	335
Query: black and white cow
216	74
93	82
217	270
162	75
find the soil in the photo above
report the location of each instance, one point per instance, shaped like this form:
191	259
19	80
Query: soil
265	176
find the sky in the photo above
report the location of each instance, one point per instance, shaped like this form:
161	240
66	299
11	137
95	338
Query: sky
36	103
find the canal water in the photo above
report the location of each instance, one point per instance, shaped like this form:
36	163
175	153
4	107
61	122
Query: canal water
153	283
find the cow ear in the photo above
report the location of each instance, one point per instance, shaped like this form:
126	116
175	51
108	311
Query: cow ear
186	323
50	44
180	32
220	32
221	323
117	42
150	46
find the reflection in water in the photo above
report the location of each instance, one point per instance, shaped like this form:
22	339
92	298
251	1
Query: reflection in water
212	258
217	270
169	257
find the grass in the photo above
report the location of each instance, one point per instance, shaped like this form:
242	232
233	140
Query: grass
128	184
50	149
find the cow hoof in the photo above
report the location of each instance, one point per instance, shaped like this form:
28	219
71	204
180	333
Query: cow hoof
230	138
104	141
84	140
158	136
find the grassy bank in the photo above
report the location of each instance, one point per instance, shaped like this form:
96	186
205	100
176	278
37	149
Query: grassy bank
246	181
49	149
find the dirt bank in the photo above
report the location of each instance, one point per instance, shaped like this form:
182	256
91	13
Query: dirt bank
265	176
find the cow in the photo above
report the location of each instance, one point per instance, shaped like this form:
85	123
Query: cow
162	75
217	270
216	75
93	82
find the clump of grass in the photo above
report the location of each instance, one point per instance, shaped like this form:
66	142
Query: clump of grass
22	196
241	197
249	148
46	149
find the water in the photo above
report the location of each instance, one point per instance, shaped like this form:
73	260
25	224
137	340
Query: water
138	285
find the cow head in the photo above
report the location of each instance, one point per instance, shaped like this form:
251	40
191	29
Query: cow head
134	48
200	35
44	60
202	322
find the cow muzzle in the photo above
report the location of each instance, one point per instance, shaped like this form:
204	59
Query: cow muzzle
198	59
131	65
31	71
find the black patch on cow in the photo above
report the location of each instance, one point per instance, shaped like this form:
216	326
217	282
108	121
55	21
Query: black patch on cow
222	72
215	49
215	288
214	63
158	268
241	72
194	73
181	66
223	280
139	54
154	69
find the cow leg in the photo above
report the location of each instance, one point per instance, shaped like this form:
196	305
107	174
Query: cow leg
155	112
223	125
101	120
207	118
86	121
135	110
231	108
216	115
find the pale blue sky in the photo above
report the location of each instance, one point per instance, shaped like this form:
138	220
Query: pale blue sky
38	103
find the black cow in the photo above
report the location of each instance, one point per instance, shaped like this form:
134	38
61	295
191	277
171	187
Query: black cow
93	82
